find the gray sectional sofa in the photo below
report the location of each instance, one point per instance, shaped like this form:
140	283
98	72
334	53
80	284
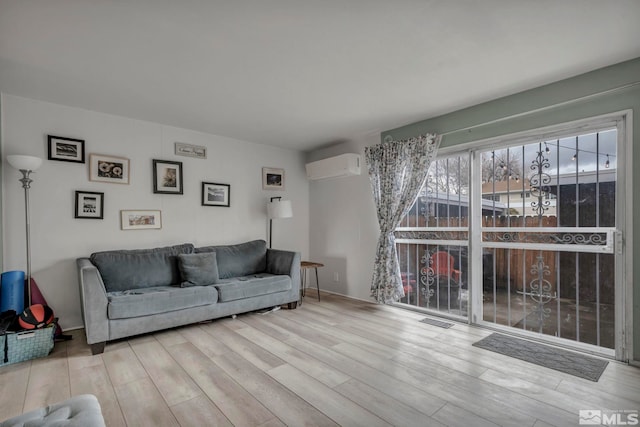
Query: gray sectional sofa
131	292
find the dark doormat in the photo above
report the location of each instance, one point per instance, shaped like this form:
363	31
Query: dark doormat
577	364
437	323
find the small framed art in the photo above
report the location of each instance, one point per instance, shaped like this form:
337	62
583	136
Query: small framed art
216	194
167	177
189	150
108	169
89	205
65	149
140	219
272	179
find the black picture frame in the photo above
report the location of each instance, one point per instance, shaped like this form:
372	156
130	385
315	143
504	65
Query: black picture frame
214	194
167	177
64	149
89	205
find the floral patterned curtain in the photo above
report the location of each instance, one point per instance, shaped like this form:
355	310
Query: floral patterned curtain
397	170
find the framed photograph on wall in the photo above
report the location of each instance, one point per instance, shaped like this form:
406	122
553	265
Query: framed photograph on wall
190	150
216	194
167	177
108	169
89	205
65	149
272	179
140	219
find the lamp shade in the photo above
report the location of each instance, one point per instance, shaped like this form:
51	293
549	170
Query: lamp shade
21	162
279	209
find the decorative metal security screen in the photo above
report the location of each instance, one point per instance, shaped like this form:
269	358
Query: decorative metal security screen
433	241
548	246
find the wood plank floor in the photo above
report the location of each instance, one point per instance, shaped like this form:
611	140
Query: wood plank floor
335	362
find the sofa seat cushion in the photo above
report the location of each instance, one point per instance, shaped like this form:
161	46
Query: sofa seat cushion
239	260
251	286
159	299
140	268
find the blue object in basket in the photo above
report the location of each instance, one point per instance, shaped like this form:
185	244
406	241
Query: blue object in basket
12	291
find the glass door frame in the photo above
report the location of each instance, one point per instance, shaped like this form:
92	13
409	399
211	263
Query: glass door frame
623	249
437	241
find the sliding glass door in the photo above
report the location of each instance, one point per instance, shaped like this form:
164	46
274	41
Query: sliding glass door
433	241
525	235
551	266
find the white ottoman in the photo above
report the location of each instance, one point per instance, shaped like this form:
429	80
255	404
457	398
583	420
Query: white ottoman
79	411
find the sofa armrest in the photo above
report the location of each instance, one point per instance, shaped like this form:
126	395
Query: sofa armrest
93	299
284	262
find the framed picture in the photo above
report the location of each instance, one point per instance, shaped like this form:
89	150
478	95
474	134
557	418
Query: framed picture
272	179
108	169
216	194
188	150
140	220
65	149
167	177
89	205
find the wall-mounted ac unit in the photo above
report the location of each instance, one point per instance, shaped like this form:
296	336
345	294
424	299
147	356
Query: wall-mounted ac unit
333	167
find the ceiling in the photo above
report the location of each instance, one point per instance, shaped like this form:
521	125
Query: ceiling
301	74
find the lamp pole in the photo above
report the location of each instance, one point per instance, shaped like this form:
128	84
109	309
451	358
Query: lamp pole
271	221
26	165
26	184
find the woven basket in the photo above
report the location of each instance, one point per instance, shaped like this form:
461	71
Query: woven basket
26	345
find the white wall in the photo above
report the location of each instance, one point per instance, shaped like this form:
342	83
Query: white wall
343	227
58	239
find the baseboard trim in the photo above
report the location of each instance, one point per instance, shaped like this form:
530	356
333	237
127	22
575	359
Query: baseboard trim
342	295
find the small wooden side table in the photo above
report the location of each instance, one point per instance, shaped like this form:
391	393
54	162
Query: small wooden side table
304	266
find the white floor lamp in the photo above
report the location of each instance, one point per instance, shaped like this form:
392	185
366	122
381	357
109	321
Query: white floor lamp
26	165
278	208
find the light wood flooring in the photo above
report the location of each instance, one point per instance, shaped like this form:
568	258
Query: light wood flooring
335	362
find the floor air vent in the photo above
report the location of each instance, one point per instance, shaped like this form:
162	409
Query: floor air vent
445	325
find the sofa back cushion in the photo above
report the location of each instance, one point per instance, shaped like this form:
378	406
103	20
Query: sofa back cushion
239	260
140	268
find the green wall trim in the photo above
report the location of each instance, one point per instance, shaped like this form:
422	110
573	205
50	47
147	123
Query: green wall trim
594	82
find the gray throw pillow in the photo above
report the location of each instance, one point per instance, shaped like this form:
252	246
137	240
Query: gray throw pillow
198	269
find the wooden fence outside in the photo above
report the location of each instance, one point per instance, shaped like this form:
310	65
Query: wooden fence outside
513	267
513	264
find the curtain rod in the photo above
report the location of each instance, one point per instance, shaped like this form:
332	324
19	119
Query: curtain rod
541	109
